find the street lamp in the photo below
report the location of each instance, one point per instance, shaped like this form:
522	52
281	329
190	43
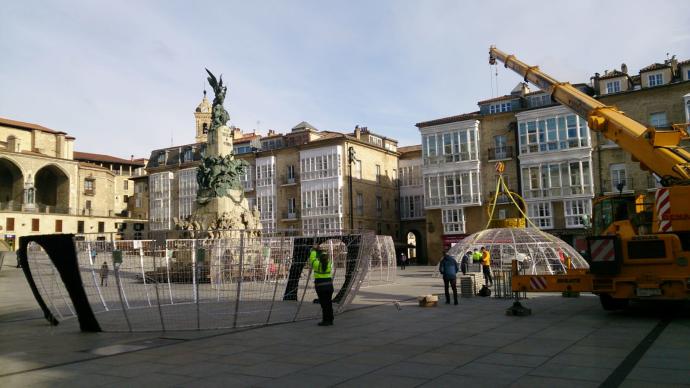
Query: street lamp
351	158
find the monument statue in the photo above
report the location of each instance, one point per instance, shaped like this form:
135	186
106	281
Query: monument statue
219	116
220	206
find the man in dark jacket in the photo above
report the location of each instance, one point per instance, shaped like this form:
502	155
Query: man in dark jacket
449	269
465	262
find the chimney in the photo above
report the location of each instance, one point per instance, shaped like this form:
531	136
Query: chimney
236	133
271	132
606	72
358	132
131	158
624	68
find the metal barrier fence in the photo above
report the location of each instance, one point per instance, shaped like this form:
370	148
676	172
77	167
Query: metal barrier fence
243	280
382	268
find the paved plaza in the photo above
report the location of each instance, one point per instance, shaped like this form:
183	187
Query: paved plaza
566	342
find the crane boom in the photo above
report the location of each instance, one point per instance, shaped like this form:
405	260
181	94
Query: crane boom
656	150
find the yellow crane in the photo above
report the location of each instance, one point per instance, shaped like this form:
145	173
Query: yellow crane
626	261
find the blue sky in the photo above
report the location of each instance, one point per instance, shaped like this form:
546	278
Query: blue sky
124	77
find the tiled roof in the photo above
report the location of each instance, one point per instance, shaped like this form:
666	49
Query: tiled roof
655	66
685	62
23	125
451	119
501	98
613	74
87	156
412	148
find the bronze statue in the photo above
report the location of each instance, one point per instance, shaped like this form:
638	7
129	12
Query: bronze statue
219	116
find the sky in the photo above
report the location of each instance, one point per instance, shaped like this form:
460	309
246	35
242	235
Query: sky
124	77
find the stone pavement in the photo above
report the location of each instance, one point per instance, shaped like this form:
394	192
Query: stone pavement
566	342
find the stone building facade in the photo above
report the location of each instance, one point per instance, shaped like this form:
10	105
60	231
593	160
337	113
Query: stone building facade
46	187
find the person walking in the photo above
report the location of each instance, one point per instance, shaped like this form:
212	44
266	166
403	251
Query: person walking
104	274
403	260
449	269
465	262
322	266
486	267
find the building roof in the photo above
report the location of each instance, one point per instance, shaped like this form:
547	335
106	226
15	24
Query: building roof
655	66
304	125
451	119
500	98
683	63
29	126
613	74
412	148
107	158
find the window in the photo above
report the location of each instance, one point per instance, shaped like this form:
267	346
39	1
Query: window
292	207
126	184
188	155
291	173
658	119
159	200
89	186
88	204
378	173
575	211
58	226
35	224
557	179
80	226
410	176
451	146
553	133
613	87
101	227
411	207
540	214
161	158
359	204
453	188
619	180
326	164
501	150
9	224
264	174
125	198
187	192
379	206
453	221
655	79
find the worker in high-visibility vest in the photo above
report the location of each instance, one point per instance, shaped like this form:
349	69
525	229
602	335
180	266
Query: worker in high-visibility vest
486	267
322	267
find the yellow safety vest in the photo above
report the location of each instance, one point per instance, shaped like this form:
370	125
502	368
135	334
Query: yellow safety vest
316	266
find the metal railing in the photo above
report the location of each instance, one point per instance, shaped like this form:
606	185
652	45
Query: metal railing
245	279
615	186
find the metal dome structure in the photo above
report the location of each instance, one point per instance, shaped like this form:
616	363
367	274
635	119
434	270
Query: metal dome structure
539	252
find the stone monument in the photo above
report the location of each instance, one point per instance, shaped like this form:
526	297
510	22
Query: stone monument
220	205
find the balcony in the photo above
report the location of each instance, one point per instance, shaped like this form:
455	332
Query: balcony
89	192
555	192
12	206
290	215
473	199
288	180
501	153
616	186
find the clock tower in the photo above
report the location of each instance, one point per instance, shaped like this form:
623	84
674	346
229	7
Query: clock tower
202	114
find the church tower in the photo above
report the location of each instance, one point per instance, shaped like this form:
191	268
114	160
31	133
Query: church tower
203	119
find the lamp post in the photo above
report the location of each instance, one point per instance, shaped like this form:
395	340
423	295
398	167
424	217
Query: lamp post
351	158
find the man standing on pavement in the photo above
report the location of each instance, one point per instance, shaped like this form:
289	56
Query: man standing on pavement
486	267
403	260
465	262
449	269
